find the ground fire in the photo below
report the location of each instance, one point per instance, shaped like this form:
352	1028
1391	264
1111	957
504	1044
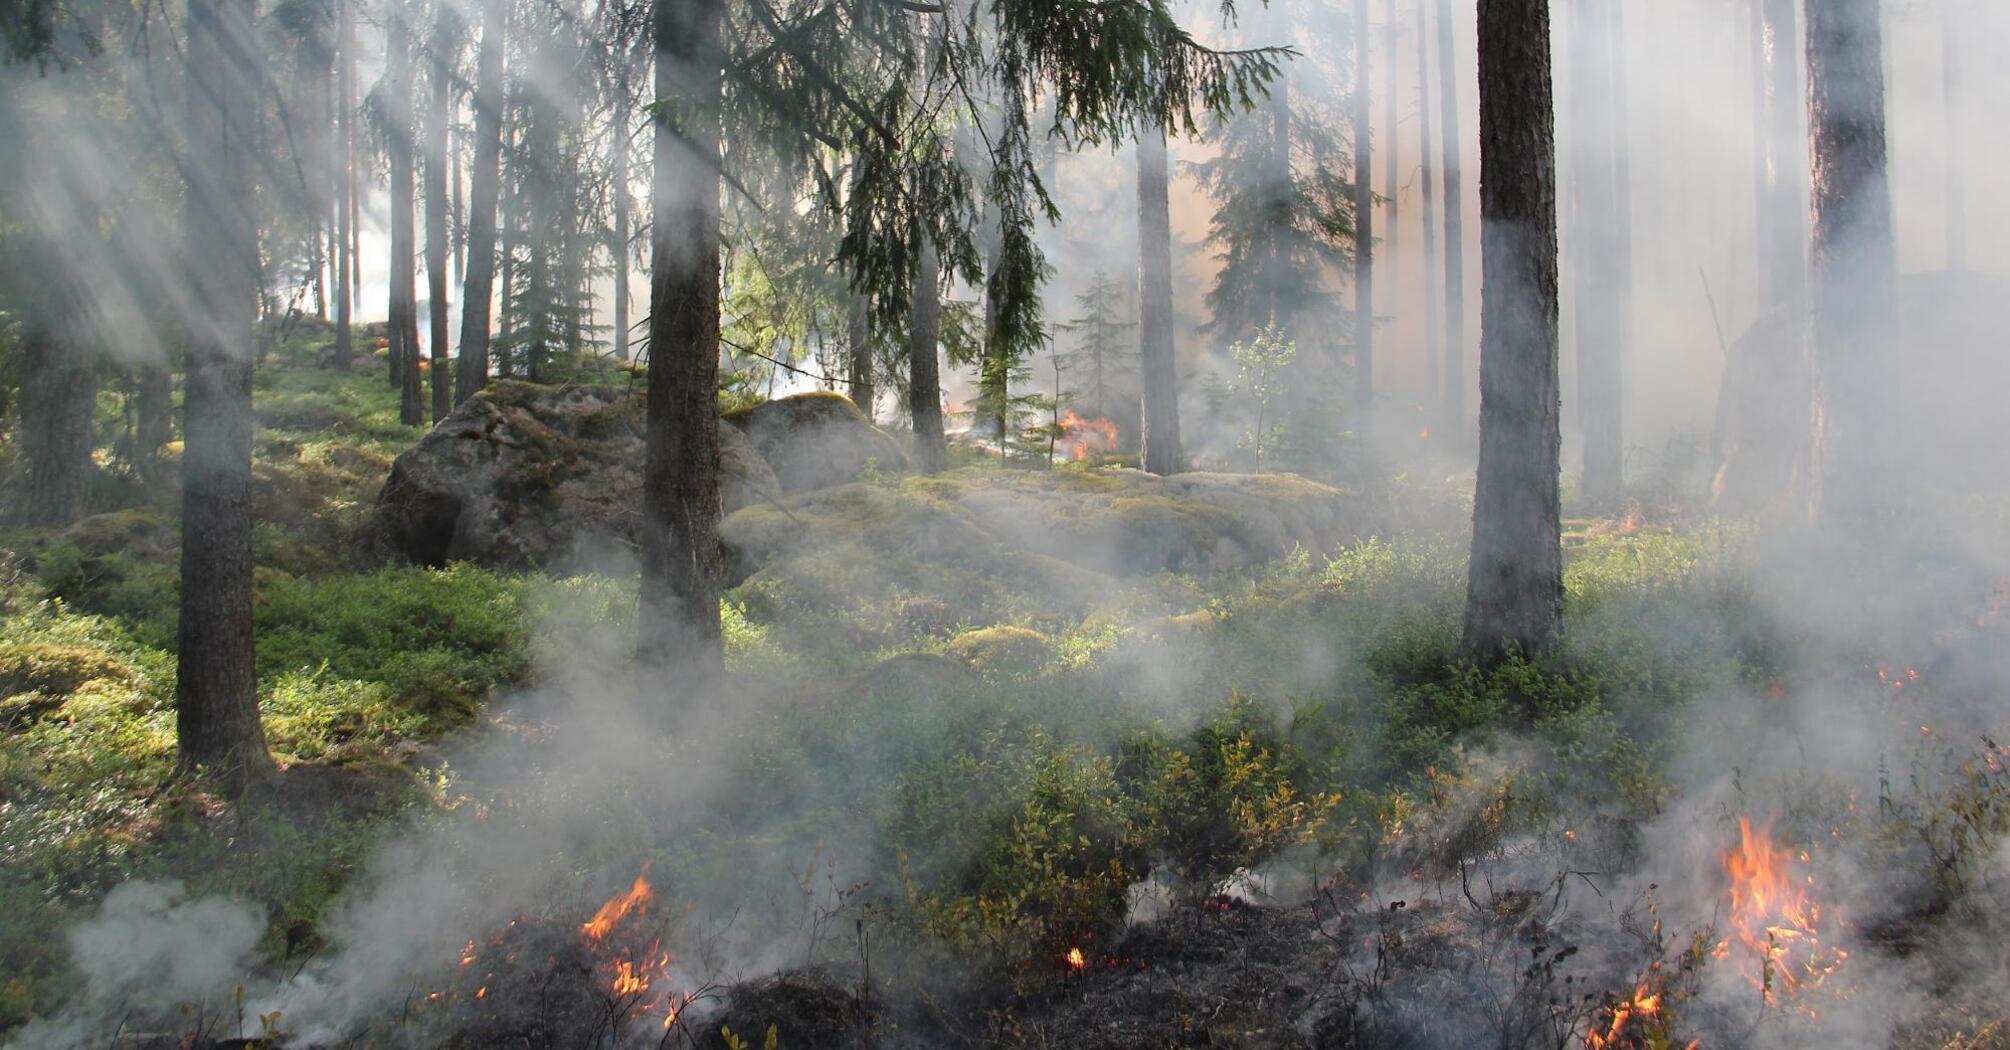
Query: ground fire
1082	438
1777	926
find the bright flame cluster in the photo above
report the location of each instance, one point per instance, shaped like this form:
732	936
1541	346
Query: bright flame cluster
1083	438
1775	918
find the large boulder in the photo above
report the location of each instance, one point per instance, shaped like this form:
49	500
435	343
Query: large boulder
817	439
523	475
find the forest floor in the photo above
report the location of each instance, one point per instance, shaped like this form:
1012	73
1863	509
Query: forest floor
1748	803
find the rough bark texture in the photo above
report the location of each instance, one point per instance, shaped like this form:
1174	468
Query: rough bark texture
58	392
439	77
1595	158
1856	325
216	687
345	89
1364	218
1159	367
1426	178
471	372
1514	597
678	624
1455	237
924	382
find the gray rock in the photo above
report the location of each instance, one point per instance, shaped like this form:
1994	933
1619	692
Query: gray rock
523	475
816	440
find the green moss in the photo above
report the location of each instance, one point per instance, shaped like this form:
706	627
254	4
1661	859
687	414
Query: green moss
1004	649
56	670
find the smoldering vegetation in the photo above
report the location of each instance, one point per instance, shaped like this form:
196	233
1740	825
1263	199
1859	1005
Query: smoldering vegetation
1041	750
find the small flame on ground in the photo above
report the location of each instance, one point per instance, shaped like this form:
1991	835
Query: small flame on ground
1083	438
1642	1004
1076	960
1774	916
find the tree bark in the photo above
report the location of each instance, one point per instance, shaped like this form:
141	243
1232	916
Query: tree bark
58	400
1364	217
860	339
216	688
1158	367
471	372
924	383
345	213
1427	178
1855	311
681	566
440	80
402	308
1455	237
1514	596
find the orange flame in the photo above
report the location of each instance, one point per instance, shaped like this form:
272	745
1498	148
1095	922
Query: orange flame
1085	437
1643	1003
1774	916
1076	960
618	907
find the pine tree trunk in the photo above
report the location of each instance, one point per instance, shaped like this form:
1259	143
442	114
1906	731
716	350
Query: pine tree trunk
155	426
924	383
404	295
216	688
345	296
1364	217
440	80
1391	157
618	166
1514	596
1426	177
860	339
1455	237
471	372
1158	366
678	623
58	400
1855	312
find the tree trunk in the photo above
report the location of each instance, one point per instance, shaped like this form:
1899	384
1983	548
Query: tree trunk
860	338
1856	321
618	167
1514	596
155	426
1158	368
345	212
678	623
1426	147
1455	237
403	315
58	400
1391	156
216	687
1364	218
440	80
924	384
1596	297
471	373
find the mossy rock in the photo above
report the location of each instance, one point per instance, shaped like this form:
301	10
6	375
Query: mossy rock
140	530
1005	648
817	439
